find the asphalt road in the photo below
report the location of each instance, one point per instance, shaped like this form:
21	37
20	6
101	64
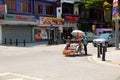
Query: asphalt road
47	63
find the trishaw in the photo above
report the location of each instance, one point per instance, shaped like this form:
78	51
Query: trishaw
76	46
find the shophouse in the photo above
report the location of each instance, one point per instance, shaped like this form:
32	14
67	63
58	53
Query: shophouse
66	10
48	23
20	19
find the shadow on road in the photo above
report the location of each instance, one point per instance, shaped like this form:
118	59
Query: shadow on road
80	55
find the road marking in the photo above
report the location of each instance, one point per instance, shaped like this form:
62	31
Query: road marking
18	76
16	79
95	60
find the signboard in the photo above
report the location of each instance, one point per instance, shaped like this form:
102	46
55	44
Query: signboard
19	17
68	24
50	20
115	11
24	18
10	17
3	9
71	18
41	34
51	26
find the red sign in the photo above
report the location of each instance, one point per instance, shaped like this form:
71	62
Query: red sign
2	9
24	18
72	18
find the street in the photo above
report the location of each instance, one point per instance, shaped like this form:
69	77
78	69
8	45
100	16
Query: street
47	63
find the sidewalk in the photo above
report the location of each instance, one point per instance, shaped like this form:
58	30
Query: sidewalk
31	44
112	57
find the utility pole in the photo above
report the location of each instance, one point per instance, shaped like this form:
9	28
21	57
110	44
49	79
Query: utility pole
117	34
116	18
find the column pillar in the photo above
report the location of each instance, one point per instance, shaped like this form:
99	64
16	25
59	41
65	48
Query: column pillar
0	34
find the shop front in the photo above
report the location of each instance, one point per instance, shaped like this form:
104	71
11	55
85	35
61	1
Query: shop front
16	27
48	28
69	25
67	29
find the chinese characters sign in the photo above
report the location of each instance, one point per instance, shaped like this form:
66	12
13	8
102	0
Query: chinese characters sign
115	11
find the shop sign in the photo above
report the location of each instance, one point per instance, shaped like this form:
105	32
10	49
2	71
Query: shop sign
49	20
68	24
3	9
71	18
19	17
25	18
10	17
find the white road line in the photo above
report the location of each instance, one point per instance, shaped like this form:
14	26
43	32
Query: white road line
19	75
16	79
3	74
94	60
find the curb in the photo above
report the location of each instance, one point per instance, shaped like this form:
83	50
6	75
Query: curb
96	60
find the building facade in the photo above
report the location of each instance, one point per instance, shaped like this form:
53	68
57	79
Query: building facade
65	9
36	20
20	19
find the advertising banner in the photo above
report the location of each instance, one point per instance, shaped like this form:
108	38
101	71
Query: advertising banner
50	20
115	11
40	34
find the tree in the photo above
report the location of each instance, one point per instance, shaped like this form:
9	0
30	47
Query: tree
102	5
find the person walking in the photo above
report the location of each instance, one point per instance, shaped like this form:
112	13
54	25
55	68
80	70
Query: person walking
85	42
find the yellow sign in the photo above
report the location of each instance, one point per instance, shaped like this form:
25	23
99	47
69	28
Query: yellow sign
51	20
93	27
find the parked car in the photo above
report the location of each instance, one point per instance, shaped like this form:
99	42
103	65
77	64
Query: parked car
90	36
105	38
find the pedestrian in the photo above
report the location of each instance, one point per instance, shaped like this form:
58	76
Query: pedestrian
79	47
85	42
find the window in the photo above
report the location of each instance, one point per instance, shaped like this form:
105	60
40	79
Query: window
49	10
84	14
67	8
38	9
67	11
25	7
11	5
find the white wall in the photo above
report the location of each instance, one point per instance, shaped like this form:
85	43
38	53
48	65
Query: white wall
76	9
59	13
67	1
